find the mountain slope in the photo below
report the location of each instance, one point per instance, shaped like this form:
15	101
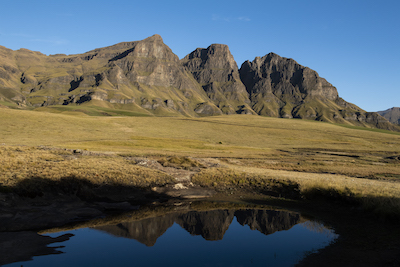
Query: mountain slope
144	76
280	87
392	115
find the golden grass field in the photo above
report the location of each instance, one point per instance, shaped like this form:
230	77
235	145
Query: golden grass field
353	163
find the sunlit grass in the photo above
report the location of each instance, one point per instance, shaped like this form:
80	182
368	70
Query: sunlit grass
235	135
321	158
20	163
380	197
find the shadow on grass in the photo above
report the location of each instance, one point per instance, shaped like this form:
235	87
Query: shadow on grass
71	186
386	207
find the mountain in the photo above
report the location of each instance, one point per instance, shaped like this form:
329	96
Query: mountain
280	87
216	71
392	115
145	78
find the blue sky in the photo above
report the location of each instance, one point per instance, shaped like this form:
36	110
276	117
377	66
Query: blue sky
354	44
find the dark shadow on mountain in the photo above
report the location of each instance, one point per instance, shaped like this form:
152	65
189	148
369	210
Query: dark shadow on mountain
122	55
84	98
75	84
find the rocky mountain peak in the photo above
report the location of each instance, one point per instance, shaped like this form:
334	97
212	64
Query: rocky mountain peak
154	38
151	47
216	70
216	56
278	86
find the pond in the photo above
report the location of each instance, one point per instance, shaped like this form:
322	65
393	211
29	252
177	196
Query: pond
218	237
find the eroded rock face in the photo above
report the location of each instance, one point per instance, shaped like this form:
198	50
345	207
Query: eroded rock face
277	85
280	87
216	70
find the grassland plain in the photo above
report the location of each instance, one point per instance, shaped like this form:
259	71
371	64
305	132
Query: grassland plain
354	162
355	168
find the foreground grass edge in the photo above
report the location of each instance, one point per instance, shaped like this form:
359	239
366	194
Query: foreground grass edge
31	172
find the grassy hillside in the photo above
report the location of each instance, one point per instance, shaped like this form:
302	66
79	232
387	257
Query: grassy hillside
227	136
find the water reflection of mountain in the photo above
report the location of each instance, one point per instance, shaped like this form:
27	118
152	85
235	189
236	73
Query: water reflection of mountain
211	225
145	231
267	221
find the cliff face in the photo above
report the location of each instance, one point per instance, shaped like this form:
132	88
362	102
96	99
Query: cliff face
146	78
216	71
280	87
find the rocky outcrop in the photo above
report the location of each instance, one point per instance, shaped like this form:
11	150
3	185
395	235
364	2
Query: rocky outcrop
280	87
392	115
215	69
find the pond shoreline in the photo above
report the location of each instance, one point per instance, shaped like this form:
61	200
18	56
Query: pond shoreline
62	197
364	239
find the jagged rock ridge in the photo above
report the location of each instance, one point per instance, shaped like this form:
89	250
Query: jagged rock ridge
146	78
216	71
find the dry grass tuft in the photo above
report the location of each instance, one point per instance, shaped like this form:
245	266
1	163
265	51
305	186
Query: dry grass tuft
20	164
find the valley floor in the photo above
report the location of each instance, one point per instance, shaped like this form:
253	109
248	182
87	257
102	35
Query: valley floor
75	168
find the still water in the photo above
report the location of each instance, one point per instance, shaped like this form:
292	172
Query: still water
245	237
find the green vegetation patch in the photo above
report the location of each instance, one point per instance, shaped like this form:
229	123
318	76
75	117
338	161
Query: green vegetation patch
186	163
92	111
368	129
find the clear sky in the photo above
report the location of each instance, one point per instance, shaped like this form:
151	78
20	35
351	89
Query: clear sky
354	44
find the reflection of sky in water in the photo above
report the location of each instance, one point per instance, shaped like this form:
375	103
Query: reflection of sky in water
176	247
